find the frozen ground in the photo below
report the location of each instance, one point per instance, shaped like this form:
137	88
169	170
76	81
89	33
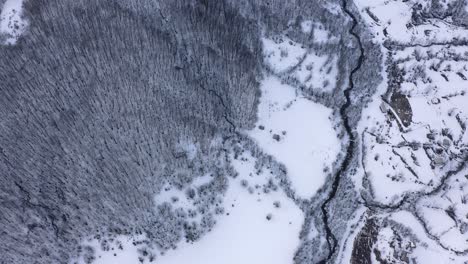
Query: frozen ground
417	134
260	224
282	54
298	133
394	21
121	249
413	136
426	249
262	135
257	227
310	68
12	23
317	72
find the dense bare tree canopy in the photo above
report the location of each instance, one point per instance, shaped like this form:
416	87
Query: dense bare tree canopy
107	104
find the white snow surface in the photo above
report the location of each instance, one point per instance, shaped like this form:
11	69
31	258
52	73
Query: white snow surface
445	214
318	72
399	161
189	147
172	195
11	22
128	254
311	69
428	251
242	235
438	103
321	35
281	53
245	235
306	26
395	18
307	143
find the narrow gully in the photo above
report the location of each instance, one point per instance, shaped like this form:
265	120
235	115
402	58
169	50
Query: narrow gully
331	239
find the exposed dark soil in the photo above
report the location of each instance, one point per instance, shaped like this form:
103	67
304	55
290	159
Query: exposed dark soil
362	246
402	108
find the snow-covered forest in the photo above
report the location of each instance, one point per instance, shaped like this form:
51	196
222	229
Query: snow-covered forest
233	131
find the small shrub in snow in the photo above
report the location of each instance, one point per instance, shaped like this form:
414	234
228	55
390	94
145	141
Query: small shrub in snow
276	137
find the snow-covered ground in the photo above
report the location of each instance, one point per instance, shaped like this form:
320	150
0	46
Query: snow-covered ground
400	158
426	250
259	222
445	213
412	134
410	138
392	20
298	133
179	199
260	225
309	68
317	72
12	24
414	137
282	54
246	235
121	249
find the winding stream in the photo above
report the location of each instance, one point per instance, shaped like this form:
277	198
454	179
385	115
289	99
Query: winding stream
331	239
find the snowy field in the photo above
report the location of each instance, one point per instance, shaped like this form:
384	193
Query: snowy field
414	137
12	23
407	169
282	54
298	133
257	226
391	20
260	223
309	68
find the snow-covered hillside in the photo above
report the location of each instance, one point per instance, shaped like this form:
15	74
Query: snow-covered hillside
233	131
